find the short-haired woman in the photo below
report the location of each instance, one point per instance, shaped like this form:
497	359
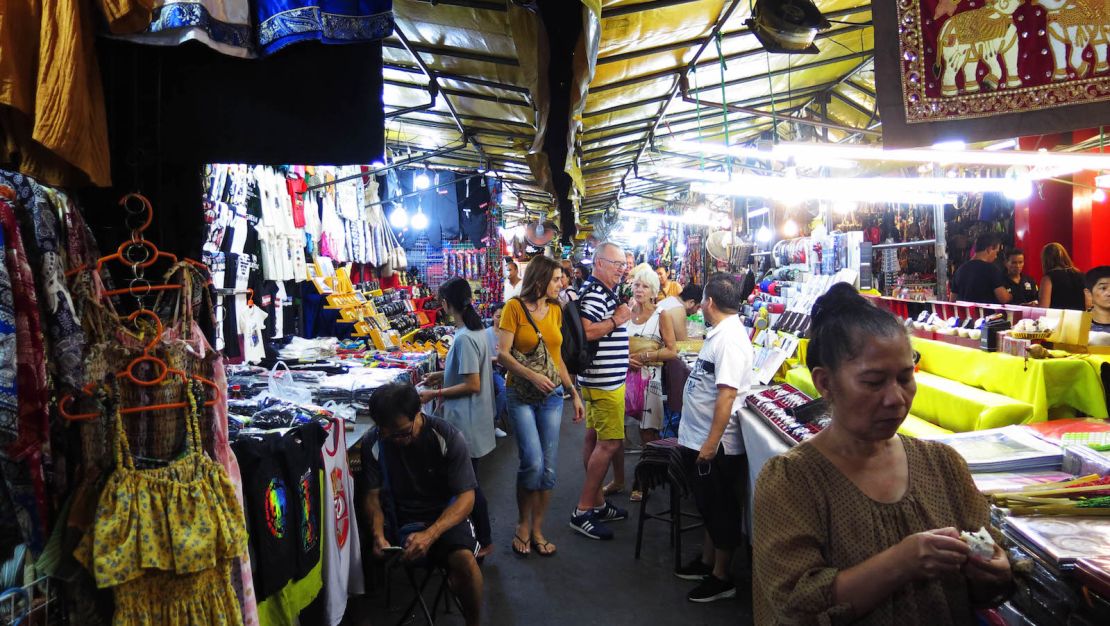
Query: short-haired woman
910	497
535	423
1062	286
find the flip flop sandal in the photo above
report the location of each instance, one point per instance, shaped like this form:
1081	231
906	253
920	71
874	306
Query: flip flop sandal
537	545
520	552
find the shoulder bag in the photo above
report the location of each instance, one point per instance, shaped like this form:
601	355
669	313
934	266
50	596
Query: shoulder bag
536	360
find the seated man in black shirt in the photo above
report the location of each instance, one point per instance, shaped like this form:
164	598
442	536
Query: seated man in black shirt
980	280
1022	288
424	465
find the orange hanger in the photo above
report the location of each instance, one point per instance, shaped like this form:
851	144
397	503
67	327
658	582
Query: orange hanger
160	366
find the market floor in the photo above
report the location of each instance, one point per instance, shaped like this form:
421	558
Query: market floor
587	582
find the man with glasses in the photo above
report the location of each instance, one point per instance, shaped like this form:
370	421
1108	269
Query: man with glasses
602	384
423	464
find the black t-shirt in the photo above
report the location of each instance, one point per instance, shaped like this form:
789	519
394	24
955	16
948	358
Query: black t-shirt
423	476
1024	290
281	493
1067	290
976	281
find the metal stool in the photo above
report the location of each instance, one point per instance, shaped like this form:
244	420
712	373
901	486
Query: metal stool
661	465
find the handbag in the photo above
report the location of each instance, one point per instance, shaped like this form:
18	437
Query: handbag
536	360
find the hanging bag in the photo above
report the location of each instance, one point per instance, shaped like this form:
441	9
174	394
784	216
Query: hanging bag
536	360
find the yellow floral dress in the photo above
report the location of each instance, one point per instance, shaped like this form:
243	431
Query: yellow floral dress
164	539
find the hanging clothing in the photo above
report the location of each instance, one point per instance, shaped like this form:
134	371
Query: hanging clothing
285	22
223	25
23	459
342	552
56	128
164	539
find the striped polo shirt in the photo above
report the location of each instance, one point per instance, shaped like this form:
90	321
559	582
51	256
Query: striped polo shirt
610	364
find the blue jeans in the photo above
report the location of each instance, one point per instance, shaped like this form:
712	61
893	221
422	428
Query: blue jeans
501	402
536	427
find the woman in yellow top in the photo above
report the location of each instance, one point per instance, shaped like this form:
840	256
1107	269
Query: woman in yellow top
536	424
667	287
859	524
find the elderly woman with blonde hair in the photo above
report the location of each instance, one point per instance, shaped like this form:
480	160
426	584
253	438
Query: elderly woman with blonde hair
651	340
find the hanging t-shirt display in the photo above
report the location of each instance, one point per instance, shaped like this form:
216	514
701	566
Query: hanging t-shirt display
300	454
342	552
281	489
474	202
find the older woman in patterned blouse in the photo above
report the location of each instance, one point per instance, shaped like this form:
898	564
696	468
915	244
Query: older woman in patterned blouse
859	524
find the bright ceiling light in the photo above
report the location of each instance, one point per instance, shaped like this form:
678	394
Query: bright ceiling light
786	151
692	220
399	217
789	229
692	174
955	144
420	221
421	181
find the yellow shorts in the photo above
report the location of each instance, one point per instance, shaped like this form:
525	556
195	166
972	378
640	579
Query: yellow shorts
605	411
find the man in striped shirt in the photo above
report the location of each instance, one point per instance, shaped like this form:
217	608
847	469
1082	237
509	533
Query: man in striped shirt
603	318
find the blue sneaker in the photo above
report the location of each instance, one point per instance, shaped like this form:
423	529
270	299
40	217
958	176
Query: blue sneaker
588	524
611	513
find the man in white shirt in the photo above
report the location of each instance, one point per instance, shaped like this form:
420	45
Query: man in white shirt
512	280
710	440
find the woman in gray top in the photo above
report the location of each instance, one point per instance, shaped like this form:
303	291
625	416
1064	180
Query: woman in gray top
465	390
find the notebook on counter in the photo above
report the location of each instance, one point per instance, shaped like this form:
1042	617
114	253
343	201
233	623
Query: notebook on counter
1062	540
1009	449
997	482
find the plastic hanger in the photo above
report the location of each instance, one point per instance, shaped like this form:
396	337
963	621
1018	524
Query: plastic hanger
163	371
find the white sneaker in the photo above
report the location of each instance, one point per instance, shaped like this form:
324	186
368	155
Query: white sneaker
497	432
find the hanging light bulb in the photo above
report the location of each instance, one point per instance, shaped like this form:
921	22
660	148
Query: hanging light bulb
790	229
420	221
399	217
421	181
763	235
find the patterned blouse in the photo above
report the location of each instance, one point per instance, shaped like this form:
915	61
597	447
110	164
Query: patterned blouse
811	522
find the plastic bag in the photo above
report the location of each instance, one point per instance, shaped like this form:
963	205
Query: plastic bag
635	386
283	387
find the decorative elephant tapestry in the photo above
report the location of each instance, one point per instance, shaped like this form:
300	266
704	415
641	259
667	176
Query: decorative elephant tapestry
970	59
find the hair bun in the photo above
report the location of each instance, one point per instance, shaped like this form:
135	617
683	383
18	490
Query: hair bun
840	299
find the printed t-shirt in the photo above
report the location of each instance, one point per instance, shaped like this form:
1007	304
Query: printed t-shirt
342	549
725	359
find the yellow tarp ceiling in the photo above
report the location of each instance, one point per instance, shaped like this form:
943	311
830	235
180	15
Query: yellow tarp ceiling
634	93
489	59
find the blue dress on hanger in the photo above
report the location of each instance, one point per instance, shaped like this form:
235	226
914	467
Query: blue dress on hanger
285	22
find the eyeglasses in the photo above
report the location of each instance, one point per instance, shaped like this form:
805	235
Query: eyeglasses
400	435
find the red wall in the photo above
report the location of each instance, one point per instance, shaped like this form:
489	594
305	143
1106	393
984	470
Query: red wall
1047	215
